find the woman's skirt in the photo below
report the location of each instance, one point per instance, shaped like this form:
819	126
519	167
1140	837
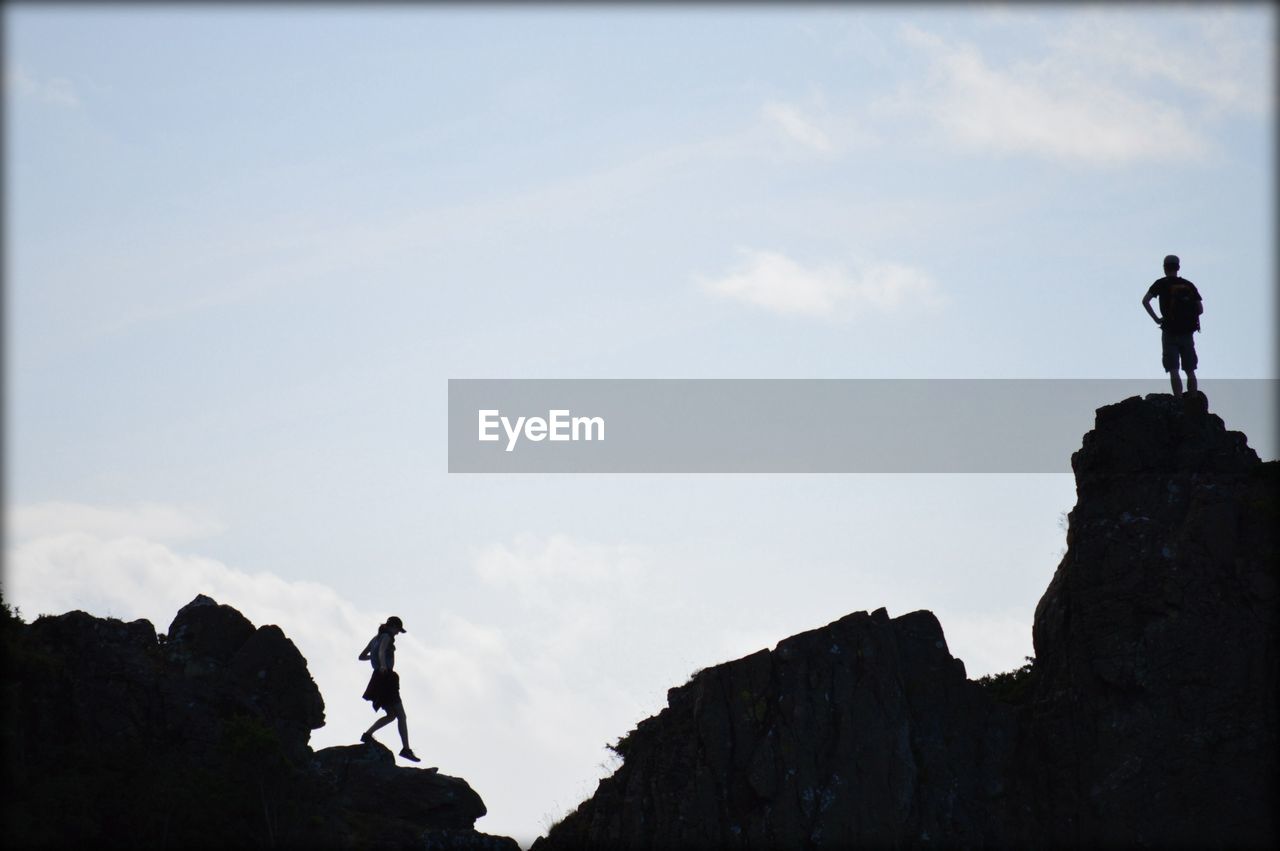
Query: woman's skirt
383	689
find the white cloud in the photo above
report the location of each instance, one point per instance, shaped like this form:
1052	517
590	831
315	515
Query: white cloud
131	577
532	565
1209	53
775	282
798	126
1054	108
147	520
812	126
54	91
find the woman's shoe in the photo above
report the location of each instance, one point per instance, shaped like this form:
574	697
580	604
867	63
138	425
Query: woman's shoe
409	755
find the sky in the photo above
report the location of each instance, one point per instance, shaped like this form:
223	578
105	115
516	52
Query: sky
246	248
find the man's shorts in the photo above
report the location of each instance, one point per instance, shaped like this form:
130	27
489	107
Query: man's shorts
1175	347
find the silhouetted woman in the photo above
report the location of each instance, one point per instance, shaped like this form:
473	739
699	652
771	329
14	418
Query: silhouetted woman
384	685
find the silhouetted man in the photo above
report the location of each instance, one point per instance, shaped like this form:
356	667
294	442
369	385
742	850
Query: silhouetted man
383	690
1180	309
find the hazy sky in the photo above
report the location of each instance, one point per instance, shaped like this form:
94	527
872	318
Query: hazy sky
247	248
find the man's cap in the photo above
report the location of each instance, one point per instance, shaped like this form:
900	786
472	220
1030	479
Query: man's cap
1171	261
396	624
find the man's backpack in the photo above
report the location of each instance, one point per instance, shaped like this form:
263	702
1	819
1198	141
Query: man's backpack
1184	308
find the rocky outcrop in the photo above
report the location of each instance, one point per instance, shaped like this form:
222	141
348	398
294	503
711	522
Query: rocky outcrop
367	780
865	731
117	736
230	668
1149	717
1153	719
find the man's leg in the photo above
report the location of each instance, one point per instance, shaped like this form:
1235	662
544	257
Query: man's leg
1169	360
1187	354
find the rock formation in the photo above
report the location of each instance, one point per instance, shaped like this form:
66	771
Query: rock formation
1153	720
116	736
862	732
1149	719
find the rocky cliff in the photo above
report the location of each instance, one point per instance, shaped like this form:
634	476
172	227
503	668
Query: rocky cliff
1148	718
1153	718
116	736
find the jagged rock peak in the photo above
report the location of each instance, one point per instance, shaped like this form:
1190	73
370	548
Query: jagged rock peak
1161	433
864	731
1155	641
207	630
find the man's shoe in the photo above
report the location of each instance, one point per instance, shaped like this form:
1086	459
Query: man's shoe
409	755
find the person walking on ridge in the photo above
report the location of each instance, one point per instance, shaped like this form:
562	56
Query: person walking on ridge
1180	309
383	690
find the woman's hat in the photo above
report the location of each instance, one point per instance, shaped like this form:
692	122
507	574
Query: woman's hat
396	624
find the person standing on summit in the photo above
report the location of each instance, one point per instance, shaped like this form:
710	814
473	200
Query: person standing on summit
383	690
1180	309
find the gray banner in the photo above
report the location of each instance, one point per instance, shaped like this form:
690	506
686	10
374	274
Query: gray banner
803	425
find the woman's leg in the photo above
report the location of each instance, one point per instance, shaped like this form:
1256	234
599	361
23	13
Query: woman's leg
381	722
403	726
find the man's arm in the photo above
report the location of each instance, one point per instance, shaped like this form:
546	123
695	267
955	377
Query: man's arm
1146	304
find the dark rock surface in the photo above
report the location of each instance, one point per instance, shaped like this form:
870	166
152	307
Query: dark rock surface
1153	719
865	731
116	737
367	780
1149	720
